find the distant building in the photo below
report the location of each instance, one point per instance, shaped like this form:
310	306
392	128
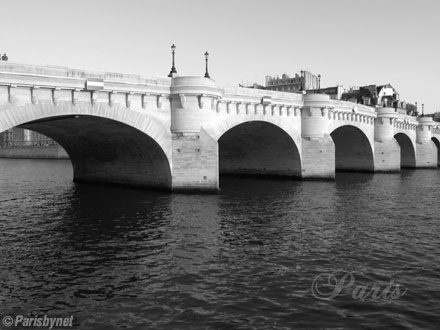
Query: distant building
436	116
19	137
371	95
2	139
384	95
304	81
297	84
381	96
9	136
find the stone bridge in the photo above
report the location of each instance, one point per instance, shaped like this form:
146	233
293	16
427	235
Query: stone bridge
181	133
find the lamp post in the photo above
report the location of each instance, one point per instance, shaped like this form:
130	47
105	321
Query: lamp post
173	69
302	80
423	110
206	67
319	83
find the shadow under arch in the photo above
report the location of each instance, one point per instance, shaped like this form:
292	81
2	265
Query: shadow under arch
437	144
353	151
258	148
104	150
407	151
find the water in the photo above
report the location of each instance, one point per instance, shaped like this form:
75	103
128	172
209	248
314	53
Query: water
244	259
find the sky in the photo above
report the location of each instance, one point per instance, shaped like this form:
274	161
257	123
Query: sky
348	42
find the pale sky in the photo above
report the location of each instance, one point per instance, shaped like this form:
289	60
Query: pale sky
348	42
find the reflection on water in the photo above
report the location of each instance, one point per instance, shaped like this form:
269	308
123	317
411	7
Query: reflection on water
244	259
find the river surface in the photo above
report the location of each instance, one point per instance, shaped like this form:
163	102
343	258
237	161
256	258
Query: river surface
362	252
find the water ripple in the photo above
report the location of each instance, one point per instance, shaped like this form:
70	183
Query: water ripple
244	259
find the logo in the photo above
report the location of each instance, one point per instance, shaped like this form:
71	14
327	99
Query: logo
37	321
328	286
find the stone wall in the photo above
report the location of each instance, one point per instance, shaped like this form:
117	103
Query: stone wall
426	155
195	163
50	152
318	158
387	156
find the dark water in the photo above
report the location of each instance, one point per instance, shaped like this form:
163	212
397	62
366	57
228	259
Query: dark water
244	259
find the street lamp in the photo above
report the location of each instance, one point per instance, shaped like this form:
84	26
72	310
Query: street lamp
173	69
423	110
302	80
319	83
206	68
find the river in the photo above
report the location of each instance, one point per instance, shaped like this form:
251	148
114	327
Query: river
360	252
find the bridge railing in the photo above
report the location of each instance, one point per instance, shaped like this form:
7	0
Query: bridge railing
407	118
353	107
256	95
66	72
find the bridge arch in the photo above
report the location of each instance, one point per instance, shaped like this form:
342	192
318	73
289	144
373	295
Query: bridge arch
291	126
437	144
353	150
258	147
407	150
105	144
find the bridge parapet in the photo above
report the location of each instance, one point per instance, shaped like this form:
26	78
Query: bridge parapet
25	84
242	93
34	71
246	101
352	112
350	106
404	122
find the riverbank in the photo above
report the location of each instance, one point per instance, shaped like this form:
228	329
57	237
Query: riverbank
34	152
